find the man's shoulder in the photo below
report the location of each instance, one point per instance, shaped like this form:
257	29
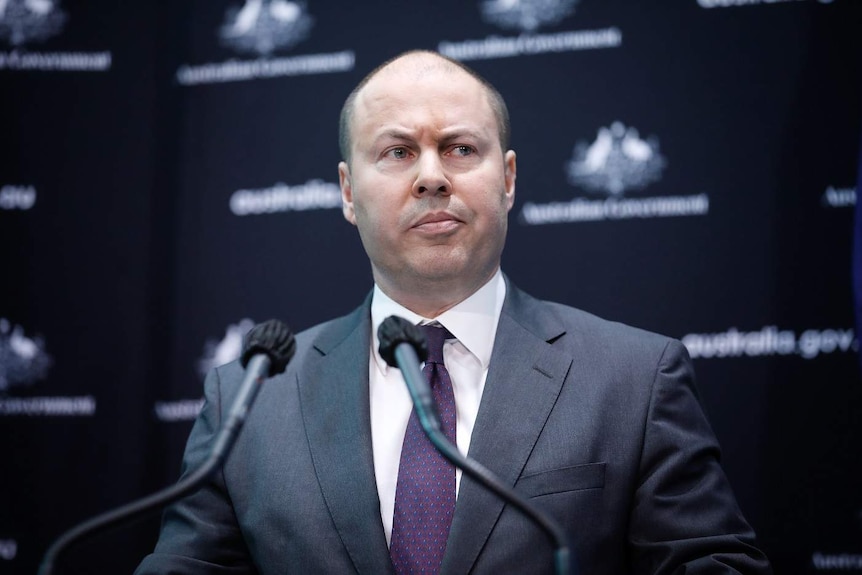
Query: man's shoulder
333	329
322	338
582	326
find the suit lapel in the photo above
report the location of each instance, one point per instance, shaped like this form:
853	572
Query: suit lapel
334	396
524	380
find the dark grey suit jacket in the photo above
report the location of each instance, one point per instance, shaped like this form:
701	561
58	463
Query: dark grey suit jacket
597	422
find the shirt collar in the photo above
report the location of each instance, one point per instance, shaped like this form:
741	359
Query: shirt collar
473	322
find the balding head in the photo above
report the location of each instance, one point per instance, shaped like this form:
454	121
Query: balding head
420	63
427	179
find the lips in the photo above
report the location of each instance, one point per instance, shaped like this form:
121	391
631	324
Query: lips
437	222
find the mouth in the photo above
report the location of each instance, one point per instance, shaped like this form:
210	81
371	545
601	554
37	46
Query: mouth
437	223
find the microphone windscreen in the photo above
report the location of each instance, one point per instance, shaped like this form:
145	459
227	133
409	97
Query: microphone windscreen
395	330
272	338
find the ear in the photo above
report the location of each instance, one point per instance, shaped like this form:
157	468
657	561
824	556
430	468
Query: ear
346	193
509	174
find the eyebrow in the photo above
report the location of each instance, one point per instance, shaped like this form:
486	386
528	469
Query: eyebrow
395	134
458	133
449	135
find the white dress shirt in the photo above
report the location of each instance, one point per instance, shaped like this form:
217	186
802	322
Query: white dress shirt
473	323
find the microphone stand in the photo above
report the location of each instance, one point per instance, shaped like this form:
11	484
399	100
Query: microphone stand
408	362
258	368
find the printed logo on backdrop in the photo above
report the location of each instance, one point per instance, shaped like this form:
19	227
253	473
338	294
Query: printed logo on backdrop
216	352
618	161
25	22
842	562
734	3
8	549
838	197
312	195
526	15
258	28
525	18
261	28
24	361
17	197
224	350
808	344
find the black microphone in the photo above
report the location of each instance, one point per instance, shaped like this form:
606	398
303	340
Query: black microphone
267	349
402	345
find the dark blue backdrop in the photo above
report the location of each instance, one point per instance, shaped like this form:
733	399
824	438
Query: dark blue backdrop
168	177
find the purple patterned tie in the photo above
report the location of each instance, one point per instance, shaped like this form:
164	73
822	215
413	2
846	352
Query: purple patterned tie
425	495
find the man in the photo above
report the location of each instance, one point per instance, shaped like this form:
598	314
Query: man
596	422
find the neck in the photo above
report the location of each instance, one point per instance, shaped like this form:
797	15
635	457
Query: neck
430	298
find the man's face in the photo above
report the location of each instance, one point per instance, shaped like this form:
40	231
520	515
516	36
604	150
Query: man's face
428	185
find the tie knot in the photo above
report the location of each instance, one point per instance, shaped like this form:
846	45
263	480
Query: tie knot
435	336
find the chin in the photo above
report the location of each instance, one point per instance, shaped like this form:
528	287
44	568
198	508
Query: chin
461	273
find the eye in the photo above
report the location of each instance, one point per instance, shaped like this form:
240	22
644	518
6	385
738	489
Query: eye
463	150
398	153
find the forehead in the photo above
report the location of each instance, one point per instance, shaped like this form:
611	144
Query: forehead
422	89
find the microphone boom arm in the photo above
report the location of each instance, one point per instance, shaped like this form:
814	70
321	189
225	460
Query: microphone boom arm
408	363
258	369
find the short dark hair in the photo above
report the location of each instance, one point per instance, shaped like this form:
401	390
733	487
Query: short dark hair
498	105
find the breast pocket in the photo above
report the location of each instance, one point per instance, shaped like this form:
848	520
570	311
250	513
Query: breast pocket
565	479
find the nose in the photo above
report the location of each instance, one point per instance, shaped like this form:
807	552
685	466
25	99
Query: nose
431	177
